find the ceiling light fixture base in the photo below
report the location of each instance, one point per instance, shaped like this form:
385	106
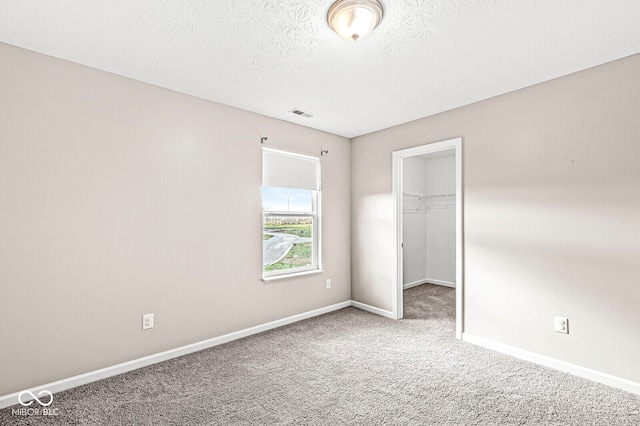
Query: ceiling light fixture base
354	20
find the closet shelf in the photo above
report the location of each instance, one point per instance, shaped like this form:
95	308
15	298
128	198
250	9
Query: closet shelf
421	195
417	202
428	209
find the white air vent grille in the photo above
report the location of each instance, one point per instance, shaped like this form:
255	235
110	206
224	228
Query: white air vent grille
301	113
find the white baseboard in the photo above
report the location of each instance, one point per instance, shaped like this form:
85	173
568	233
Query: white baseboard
372	309
429	281
413	284
92	376
576	370
442	283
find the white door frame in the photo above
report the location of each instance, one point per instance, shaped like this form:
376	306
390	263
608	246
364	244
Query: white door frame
397	284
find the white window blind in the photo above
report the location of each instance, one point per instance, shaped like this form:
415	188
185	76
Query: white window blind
286	170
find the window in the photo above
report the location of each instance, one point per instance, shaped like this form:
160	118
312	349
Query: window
290	225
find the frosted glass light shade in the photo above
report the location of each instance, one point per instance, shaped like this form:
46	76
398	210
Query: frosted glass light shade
353	20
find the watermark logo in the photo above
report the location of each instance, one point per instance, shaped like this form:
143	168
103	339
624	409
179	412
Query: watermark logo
26	398
30	400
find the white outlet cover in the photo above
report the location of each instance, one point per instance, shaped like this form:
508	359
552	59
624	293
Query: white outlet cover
561	325
147	321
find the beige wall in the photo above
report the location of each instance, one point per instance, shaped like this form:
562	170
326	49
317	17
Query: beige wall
119	198
551	215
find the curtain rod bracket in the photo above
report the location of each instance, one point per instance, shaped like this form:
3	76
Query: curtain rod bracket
323	152
263	140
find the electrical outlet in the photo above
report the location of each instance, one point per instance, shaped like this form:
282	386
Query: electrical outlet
147	321
561	325
328	284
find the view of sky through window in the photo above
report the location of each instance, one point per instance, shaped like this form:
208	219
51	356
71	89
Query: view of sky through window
287	199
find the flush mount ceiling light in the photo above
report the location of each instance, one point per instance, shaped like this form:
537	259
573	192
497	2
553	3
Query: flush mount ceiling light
353	20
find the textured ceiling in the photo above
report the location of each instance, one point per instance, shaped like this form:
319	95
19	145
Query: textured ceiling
271	56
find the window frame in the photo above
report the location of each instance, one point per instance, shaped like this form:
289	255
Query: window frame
315	215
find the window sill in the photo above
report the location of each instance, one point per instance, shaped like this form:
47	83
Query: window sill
266	280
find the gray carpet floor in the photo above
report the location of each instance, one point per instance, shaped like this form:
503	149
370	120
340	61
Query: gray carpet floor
348	367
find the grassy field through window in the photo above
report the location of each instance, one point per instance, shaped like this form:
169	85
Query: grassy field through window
300	255
301	230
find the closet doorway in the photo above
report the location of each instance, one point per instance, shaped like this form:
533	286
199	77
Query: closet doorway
427	193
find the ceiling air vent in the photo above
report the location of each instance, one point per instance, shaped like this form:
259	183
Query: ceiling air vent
301	113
